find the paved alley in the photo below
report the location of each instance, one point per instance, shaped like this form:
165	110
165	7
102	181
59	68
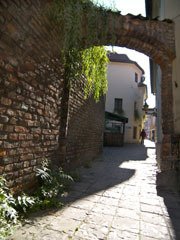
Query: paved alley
115	199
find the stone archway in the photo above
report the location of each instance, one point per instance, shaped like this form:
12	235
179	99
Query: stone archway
156	40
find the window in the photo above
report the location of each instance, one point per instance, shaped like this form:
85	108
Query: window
136	77
118	105
134	132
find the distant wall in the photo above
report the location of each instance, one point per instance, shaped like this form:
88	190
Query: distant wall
85	126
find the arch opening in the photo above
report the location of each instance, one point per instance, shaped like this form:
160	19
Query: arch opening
156	40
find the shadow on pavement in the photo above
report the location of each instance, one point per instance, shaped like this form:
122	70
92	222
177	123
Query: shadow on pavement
172	203
106	172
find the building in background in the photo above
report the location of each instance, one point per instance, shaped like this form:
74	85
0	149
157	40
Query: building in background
126	94
150	124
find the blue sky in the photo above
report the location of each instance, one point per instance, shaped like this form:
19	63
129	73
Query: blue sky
134	7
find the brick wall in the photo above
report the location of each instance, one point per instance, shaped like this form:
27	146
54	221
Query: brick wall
85	127
31	89
34	98
29	120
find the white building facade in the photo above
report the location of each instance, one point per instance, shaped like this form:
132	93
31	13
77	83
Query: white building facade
126	94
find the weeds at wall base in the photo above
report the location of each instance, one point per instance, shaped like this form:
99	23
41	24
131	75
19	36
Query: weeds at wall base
14	210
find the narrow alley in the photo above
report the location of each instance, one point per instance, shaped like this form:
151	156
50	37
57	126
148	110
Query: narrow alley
115	199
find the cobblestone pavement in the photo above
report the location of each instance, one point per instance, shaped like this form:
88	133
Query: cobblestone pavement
116	199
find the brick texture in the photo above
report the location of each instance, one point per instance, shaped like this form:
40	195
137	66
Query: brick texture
34	99
85	127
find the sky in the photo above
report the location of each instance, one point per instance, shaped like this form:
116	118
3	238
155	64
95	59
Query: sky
134	7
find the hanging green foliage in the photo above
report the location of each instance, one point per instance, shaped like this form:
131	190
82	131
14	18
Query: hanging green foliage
91	65
94	67
81	25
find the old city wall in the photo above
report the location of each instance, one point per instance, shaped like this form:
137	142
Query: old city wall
34	99
83	146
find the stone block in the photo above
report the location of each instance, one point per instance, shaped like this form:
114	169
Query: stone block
8	128
20	129
13	136
4	119
9	168
6	101
2	153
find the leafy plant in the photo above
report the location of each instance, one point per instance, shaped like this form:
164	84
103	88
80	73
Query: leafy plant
76	41
8	214
24	202
94	68
44	172
69	17
53	182
11	208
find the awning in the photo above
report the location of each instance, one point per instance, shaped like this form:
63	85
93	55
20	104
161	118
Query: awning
115	117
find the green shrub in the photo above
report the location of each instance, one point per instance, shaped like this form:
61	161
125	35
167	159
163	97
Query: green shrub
8	214
53	182
12	208
24	202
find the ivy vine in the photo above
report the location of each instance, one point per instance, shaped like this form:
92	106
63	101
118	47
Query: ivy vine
94	65
81	26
